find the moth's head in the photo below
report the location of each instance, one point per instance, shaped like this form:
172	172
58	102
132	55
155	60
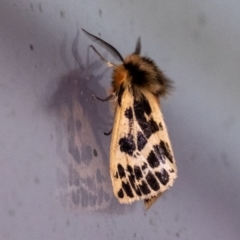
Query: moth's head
135	71
128	72
140	73
121	73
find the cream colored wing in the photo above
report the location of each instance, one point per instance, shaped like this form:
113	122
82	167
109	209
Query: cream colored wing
142	164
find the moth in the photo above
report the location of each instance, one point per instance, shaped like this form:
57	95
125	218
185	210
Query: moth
142	163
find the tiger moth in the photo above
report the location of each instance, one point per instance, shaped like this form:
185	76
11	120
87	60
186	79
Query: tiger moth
142	163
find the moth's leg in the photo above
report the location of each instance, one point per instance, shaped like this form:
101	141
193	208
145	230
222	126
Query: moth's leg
104	99
108	133
108	63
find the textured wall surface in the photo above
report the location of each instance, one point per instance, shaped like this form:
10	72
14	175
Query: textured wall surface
47	77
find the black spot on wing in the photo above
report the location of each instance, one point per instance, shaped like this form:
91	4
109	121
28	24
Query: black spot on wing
121	171
159	153
138	191
153	125
144	166
116	175
160	126
141	141
138	172
153	160
131	177
130	170
152	181
119	94
144	188
129	113
127	144
132	182
163	176
120	193
166	151
127	189
142	107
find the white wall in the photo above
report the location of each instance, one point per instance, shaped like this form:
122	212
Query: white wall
196	43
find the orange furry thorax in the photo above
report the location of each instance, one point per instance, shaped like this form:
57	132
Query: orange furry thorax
120	75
